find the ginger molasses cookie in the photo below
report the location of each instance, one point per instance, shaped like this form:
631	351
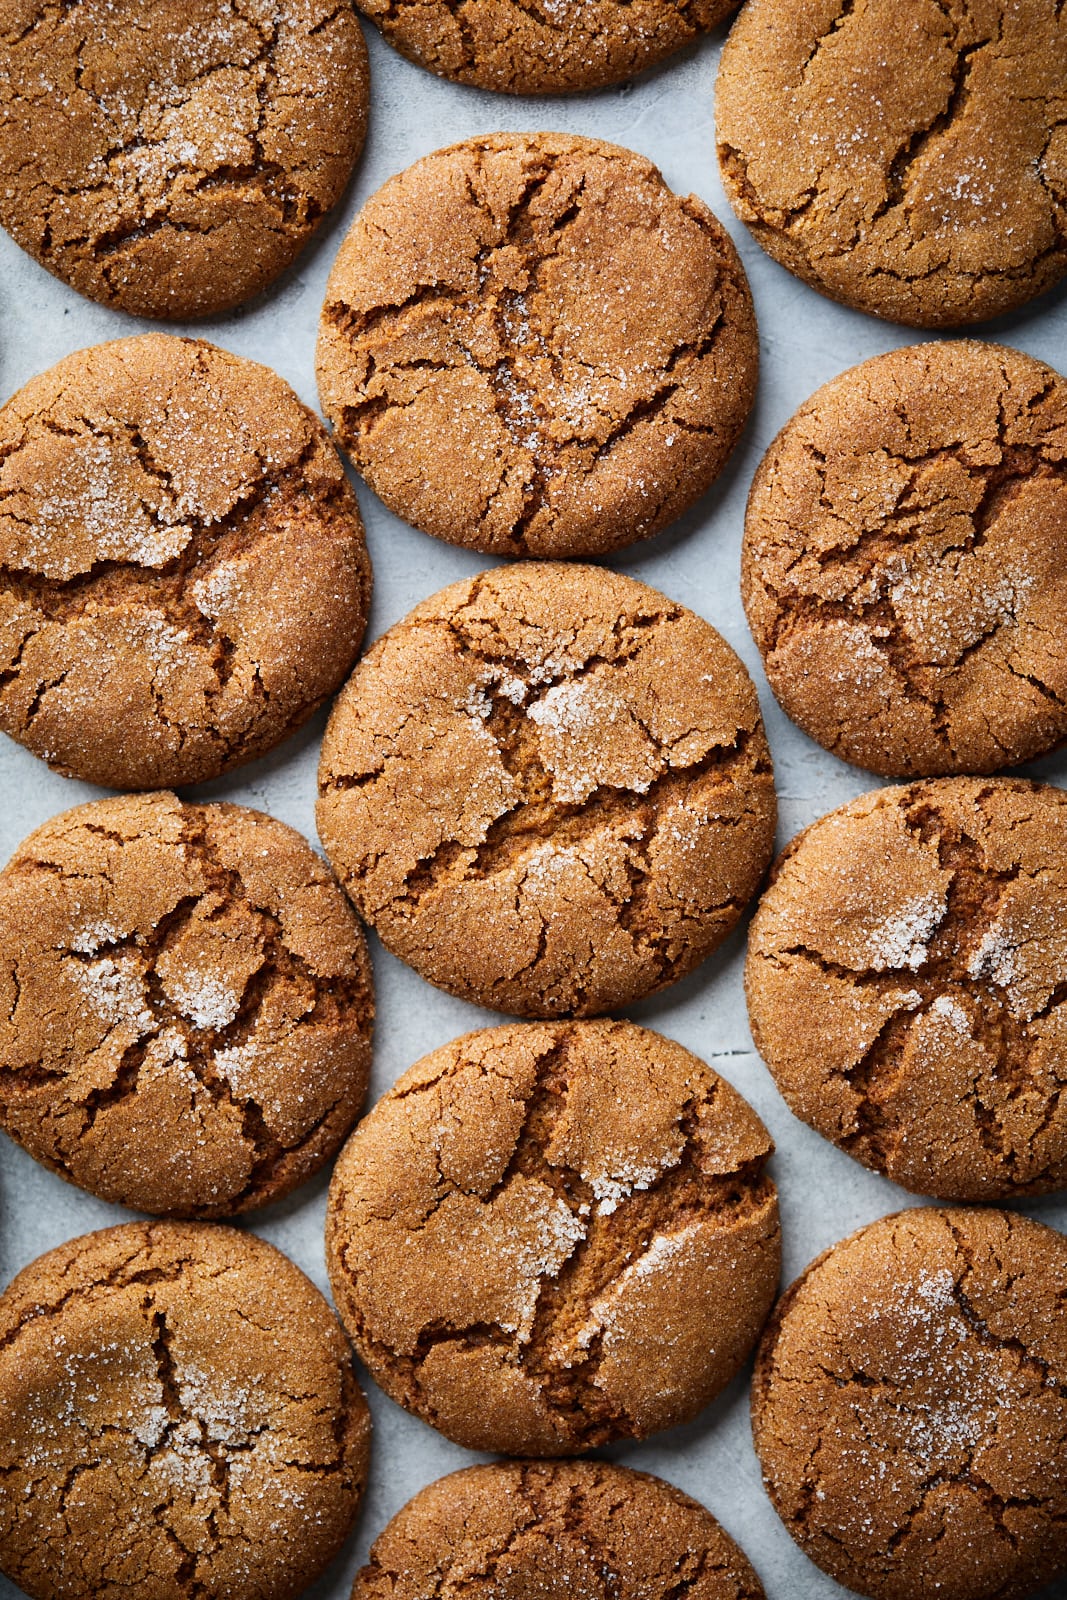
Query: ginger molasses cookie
548	789
909	1407
525	47
904	566
183	573
556	1530
171	157
531	346
185	1004
910	160
550	1235
178	1416
906	979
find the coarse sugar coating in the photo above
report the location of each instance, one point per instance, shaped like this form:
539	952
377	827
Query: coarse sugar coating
532	347
906	975
548	789
904	566
541	46
909	1407
178	1417
909	160
550	1235
186	1005
183	571
171	158
555	1531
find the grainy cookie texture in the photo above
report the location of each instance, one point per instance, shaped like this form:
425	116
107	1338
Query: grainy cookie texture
186	1005
531	346
904	566
910	160
906	979
179	1420
569	1530
542	46
183	572
171	158
549	1235
549	789
909	1407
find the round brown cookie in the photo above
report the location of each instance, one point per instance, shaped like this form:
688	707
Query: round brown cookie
531	346
550	1235
183	573
185	1005
171	158
906	979
557	1531
909	1407
548	789
904	566
541	46
911	160
178	1416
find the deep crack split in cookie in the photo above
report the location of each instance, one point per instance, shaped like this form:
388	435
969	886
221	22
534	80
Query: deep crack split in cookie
550	1235
186	1005
904	566
179	1420
910	160
548	789
531	346
906	980
183	571
171	159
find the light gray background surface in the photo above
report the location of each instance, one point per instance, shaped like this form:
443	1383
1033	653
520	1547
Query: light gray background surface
804	339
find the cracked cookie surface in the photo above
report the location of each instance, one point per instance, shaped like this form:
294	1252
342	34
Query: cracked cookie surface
906	979
186	1005
183	571
904	567
179	1420
531	346
550	1235
541	46
548	789
909	1407
171	159
558	1531
910	161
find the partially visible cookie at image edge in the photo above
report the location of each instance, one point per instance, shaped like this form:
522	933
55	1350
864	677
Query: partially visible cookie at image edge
560	1529
171	159
183	571
524	48
904	566
550	1235
910	161
548	789
532	347
909	1407
178	1415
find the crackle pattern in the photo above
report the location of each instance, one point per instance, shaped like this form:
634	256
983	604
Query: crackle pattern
179	1420
908	160
183	572
171	159
531	346
906	980
550	1235
909	1407
185	1005
556	1531
542	46
548	789
904	567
